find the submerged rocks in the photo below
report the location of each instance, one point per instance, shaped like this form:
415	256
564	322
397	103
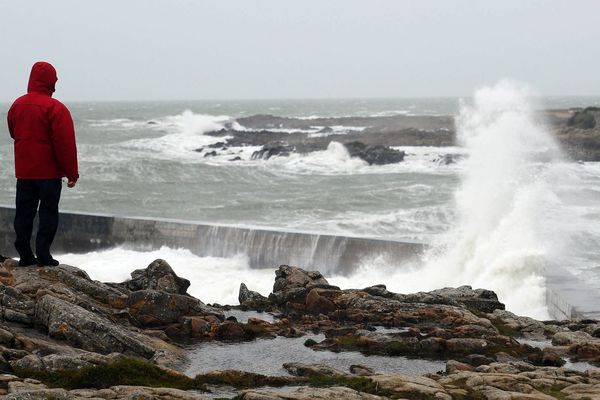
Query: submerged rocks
269	151
374	154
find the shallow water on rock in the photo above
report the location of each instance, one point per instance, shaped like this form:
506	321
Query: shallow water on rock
574	365
243	316
266	356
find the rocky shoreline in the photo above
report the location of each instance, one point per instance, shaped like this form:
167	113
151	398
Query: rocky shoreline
65	336
576	130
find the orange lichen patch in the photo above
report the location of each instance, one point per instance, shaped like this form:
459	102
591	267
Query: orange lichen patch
137	306
119	302
63	328
173	303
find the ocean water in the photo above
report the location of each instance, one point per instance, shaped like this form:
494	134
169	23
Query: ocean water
511	205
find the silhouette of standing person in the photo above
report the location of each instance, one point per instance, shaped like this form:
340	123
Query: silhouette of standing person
45	152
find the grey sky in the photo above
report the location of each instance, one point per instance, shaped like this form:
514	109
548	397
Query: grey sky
194	49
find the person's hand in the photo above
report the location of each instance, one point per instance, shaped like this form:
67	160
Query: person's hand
71	184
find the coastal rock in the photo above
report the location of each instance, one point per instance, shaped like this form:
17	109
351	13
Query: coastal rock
26	389
374	155
524	326
448	159
453	367
580	144
361	370
151	308
308	393
269	151
62	362
411	387
585	119
569	338
157	276
318	303
15	306
231	331
88	331
479	299
79	281
303	369
292	284
252	299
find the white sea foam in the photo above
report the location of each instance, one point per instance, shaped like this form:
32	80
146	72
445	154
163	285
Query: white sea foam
213	279
185	133
336	160
335	130
509	217
117	124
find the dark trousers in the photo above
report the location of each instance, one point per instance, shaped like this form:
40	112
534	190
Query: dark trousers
31	194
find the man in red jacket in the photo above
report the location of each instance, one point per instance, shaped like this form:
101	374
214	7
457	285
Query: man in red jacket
45	151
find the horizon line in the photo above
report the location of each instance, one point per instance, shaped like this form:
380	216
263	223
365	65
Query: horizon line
251	99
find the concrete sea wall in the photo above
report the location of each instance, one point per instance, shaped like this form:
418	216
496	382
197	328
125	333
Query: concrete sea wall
80	233
567	297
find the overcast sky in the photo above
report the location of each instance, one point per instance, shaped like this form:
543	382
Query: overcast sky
194	49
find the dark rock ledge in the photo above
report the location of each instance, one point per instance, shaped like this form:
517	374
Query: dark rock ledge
65	336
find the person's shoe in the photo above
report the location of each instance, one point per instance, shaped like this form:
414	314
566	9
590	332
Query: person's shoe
26	262
47	263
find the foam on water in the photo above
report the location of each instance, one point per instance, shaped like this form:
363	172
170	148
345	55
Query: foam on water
213	279
185	133
336	160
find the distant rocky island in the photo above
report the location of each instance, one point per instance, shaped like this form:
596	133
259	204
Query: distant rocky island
372	138
65	336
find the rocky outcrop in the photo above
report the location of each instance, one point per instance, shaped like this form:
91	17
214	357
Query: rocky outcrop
152	308
31	389
112	341
157	276
306	393
584	119
88	331
292	284
61	362
272	150
374	155
580	144
252	299
577	131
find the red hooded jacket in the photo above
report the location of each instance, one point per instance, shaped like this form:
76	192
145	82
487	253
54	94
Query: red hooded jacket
43	130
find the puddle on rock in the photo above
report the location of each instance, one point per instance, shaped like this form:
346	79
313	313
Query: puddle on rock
266	356
581	366
243	316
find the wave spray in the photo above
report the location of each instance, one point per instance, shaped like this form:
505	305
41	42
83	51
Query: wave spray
508	213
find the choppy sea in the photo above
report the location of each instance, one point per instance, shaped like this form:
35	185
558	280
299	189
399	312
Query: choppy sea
510	205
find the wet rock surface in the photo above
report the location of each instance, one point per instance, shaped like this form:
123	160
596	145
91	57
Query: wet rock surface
63	335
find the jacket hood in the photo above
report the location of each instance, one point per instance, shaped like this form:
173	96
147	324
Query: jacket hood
42	79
